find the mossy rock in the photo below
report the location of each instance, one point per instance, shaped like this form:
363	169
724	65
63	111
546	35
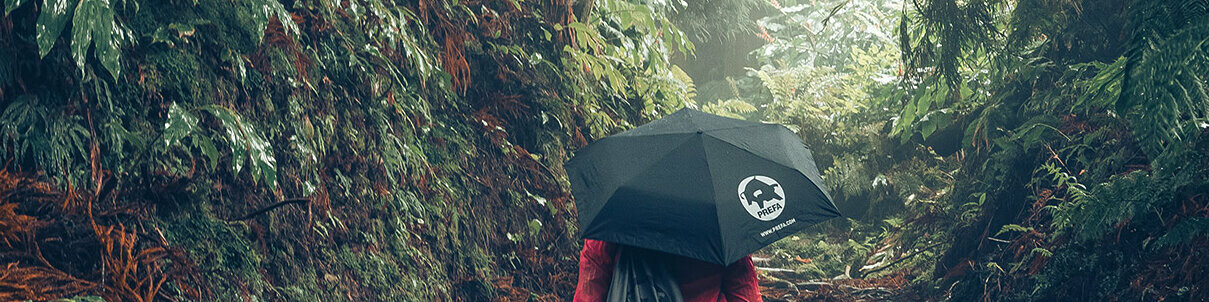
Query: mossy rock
214	243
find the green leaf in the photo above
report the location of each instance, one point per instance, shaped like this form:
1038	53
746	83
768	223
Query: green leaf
1013	228
179	125
51	22
93	21
11	5
108	49
270	9
925	104
265	163
907	119
81	33
236	137
207	148
535	227
246	143
929	127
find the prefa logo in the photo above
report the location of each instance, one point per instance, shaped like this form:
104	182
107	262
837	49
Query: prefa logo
762	197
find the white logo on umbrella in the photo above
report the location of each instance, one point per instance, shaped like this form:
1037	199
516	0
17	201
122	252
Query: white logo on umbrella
762	197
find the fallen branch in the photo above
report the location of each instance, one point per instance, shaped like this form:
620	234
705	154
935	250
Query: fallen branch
902	259
272	207
776	269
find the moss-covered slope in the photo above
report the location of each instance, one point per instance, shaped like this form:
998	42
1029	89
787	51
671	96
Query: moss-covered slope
298	150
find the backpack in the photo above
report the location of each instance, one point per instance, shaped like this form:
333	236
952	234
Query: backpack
641	275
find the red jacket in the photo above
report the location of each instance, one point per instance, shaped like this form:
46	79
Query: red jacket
699	281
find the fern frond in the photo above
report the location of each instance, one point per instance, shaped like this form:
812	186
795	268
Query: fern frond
1163	93
36	134
1183	232
733	108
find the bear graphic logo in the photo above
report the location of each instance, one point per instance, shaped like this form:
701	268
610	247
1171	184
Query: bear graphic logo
762	197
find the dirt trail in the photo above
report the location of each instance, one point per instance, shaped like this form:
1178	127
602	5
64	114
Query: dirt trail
778	285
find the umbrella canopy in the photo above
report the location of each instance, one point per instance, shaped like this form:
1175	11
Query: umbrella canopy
698	185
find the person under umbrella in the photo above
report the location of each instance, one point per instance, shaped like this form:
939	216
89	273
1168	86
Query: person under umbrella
672	209
695	280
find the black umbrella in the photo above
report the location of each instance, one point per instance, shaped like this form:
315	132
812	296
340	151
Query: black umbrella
698	185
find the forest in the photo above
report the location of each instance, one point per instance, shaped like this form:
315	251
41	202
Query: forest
414	150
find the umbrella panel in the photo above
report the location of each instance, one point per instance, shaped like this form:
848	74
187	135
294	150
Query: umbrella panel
742	181
668	207
597	172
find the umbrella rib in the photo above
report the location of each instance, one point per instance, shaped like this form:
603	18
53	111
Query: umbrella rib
623	134
714	188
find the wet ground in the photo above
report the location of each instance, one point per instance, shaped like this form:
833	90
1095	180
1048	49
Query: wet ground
785	285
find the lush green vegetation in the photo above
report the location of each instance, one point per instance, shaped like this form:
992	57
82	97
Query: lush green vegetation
318	150
310	150
999	150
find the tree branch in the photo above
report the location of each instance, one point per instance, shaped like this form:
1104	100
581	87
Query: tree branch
272	207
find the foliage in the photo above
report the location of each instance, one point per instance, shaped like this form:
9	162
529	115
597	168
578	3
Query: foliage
244	140
412	150
128	272
1039	151
713	20
356	121
824	33
625	48
92	21
33	133
1163	91
949	37
732	108
829	72
245	143
1096	125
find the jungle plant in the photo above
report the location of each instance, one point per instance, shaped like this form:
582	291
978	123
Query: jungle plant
245	143
1035	87
626	48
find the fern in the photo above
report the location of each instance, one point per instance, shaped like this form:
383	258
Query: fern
1013	228
1183	232
733	108
1088	214
36	134
1040	251
1103	89
1163	92
940	35
1073	215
